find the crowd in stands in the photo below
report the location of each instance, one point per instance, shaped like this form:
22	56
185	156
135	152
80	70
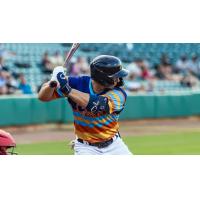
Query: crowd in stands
11	82
77	66
144	76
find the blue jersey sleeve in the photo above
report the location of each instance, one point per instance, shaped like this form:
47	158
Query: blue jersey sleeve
80	83
73	81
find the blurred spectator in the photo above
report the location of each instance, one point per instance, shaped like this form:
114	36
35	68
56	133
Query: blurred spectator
165	72
145	74
3	87
23	86
80	67
8	85
11	84
194	65
160	72
132	83
47	66
57	59
134	67
164	60
182	65
144	69
84	65
189	81
2	65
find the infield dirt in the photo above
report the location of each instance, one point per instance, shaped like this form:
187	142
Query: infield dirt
60	132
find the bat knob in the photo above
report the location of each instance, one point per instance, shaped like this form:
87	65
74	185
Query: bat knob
53	84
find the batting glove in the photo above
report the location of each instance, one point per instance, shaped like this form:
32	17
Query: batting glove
58	76
54	82
64	85
55	73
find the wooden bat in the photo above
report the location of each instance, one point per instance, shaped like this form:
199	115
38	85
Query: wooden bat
71	52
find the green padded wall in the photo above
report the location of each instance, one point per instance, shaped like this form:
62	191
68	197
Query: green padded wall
29	110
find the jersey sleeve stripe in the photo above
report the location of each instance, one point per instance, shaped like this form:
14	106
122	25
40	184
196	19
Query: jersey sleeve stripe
111	105
115	100
121	96
116	97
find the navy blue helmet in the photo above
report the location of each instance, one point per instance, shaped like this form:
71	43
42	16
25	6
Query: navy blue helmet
105	69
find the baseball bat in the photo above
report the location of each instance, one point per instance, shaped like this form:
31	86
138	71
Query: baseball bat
71	52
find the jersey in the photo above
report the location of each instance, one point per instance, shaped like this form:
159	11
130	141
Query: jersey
96	127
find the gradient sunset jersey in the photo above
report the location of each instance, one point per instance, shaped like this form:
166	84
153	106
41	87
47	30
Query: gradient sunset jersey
95	127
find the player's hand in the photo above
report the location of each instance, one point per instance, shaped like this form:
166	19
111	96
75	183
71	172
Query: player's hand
58	76
63	82
55	73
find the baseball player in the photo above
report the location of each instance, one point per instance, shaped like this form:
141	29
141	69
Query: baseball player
96	101
7	142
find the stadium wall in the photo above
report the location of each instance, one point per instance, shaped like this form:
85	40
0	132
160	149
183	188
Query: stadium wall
29	110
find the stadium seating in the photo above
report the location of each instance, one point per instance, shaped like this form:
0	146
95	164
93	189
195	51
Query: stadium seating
31	53
152	52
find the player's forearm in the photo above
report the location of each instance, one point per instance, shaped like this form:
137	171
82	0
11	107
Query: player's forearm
46	92
80	98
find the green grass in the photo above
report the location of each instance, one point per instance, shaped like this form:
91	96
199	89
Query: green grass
167	144
48	148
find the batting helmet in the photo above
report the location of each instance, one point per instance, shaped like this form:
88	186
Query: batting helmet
105	69
6	142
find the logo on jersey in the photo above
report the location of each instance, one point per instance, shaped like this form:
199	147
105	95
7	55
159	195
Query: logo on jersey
95	106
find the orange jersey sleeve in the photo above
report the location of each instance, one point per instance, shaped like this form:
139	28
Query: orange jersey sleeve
116	100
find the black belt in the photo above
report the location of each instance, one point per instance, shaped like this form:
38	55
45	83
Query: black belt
99	144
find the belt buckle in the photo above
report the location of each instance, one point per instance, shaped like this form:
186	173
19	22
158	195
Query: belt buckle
99	145
85	142
104	144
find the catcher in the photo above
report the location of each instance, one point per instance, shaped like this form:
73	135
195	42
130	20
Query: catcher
96	101
7	143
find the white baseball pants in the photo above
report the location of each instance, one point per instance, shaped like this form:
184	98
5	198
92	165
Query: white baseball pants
118	147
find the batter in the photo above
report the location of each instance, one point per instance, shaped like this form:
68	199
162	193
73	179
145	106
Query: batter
96	101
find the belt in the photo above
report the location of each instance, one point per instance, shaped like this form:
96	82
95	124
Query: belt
100	144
